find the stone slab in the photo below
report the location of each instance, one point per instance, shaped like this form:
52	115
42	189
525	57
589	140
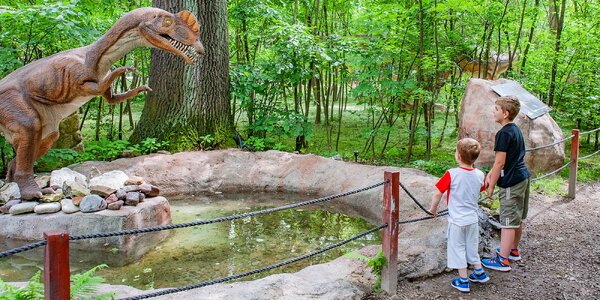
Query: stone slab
152	212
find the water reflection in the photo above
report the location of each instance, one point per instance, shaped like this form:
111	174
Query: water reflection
196	254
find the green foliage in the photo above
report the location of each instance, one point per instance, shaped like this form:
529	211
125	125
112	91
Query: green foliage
56	159
256	143
550	186
377	263
32	291
83	286
151	145
430	166
207	142
104	149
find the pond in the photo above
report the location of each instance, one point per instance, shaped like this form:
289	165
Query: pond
207	252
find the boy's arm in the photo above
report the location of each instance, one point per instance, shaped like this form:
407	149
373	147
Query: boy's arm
435	201
494	174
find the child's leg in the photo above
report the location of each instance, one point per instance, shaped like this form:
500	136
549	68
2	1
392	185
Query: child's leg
507	241
462	272
517	239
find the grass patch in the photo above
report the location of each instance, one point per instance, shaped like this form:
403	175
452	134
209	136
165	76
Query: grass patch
551	186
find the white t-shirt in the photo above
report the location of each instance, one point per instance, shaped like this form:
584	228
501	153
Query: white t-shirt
463	186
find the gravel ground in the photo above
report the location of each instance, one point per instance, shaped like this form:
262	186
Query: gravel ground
560	250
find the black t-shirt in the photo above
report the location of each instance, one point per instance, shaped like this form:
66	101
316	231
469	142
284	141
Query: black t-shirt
509	139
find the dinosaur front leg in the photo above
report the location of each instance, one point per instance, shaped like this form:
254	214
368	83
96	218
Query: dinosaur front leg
118	98
99	88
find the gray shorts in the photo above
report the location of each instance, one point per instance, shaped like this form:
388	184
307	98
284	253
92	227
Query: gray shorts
463	245
514	203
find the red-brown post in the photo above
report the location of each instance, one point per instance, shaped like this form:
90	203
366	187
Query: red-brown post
573	166
391	203
56	266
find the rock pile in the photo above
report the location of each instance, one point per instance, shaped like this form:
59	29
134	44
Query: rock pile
69	191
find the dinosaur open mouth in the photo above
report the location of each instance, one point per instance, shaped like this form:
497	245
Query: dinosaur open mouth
187	50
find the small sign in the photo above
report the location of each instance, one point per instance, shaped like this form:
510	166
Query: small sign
531	106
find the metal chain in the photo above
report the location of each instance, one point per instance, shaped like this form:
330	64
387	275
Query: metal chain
23	248
255	271
222	219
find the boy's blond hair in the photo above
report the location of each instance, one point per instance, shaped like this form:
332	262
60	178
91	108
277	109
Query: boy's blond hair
509	104
469	150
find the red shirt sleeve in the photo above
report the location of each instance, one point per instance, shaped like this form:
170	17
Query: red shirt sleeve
484	186
444	183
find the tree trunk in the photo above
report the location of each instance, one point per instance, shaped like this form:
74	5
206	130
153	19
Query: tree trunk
189	102
554	70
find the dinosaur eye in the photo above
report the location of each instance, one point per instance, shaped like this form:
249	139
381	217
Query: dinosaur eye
167	22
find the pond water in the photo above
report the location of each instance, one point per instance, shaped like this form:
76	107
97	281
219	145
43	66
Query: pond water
207	252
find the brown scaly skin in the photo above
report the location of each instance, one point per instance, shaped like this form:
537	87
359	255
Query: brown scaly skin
36	97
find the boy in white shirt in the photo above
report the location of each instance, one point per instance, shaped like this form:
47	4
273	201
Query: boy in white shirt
463	185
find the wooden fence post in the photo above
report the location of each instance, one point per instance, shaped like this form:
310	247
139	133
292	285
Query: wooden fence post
574	163
56	266
391	199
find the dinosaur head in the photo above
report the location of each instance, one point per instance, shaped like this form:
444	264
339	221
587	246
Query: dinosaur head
175	33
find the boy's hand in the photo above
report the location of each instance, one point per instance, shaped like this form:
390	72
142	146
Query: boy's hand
433	212
490	191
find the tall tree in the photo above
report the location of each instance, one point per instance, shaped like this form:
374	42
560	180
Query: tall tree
190	102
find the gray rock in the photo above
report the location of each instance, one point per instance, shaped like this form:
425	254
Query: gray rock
56	197
6	207
132	198
68	207
478	100
43	181
120	193
47	208
153	212
131	188
23	208
113	179
9	191
142	197
149	190
101	190
58	177
111	198
116	205
92	203
74	189
134	180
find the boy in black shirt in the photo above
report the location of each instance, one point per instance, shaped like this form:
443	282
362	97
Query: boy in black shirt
512	176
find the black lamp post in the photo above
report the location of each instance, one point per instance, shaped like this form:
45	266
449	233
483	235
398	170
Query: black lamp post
355	155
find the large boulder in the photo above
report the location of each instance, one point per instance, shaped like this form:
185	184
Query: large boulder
476	120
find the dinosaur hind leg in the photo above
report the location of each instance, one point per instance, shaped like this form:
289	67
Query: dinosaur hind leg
25	126
10	170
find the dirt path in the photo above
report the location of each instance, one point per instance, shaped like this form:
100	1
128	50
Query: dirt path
560	250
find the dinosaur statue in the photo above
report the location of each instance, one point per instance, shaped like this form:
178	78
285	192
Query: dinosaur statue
496	65
36	97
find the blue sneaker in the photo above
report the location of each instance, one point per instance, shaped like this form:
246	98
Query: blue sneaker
513	255
498	263
481	277
461	284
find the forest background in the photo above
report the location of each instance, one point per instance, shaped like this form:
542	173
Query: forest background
377	81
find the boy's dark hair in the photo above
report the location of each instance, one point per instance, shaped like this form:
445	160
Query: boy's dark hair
510	104
469	150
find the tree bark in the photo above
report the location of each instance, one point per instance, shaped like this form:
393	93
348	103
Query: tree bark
189	102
